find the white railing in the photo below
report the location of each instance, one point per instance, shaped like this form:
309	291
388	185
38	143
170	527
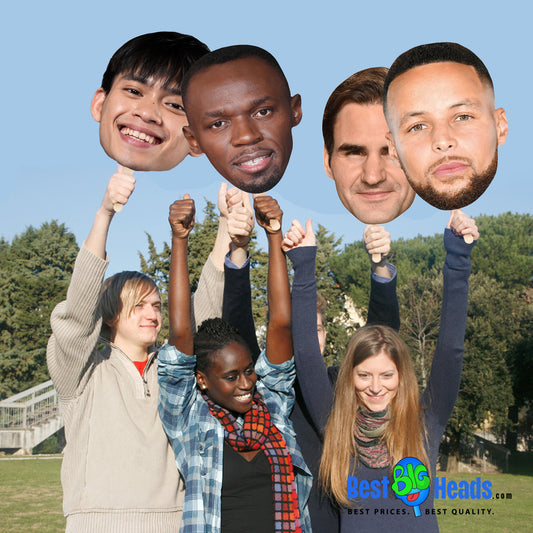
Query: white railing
30	407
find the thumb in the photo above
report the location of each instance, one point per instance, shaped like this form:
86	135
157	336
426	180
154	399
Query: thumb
309	227
186	196
222	192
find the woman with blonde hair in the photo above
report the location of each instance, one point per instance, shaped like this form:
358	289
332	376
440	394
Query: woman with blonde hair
381	440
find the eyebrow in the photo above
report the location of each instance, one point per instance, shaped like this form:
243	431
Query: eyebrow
462	103
347	147
218	112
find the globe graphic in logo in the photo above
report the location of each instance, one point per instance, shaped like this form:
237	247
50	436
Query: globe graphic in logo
411	482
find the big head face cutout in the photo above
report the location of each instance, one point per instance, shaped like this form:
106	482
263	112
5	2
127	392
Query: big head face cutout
139	105
444	129
141	124
241	115
369	183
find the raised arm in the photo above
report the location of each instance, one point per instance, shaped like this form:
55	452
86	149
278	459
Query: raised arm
119	189
383	307
181	219
76	322
445	376
311	372
237	303
207	301
279	337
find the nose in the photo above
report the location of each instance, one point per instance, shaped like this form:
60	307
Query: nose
149	110
443	138
375	386
151	313
245	131
373	170
245	382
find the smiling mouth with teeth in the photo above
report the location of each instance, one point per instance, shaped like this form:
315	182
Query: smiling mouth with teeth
256	162
139	135
244	397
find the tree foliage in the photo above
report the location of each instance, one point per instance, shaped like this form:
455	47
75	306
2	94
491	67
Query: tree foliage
338	324
35	271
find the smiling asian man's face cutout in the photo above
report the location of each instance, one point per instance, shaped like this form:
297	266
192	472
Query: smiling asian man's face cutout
445	132
241	116
141	124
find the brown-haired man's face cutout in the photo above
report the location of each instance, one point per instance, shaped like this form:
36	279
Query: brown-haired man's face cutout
370	184
241	116
445	132
141	124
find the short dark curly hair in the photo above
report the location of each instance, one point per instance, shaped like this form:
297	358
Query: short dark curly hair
228	54
425	54
213	335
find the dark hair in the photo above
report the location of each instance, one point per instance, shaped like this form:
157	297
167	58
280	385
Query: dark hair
364	87
435	53
228	54
163	55
212	335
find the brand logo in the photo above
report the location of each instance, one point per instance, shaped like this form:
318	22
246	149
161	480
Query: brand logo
411	482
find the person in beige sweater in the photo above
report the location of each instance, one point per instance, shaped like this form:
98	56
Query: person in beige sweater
119	472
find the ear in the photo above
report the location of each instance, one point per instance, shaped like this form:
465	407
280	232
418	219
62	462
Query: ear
195	149
97	103
501	125
296	109
392	149
200	379
327	168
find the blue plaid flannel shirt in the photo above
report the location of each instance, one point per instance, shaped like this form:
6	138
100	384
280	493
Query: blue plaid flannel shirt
197	437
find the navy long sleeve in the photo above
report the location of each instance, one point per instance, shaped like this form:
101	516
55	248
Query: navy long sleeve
314	383
237	304
380	514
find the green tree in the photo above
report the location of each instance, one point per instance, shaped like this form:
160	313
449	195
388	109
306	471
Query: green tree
35	272
420	301
504	252
338	323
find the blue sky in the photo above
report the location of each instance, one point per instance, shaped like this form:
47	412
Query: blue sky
54	55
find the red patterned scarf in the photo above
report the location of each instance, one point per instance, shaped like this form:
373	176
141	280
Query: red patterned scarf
258	433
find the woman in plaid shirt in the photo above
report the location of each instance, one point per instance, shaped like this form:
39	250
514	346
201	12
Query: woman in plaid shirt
230	431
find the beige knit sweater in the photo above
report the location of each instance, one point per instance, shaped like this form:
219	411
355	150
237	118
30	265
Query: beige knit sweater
118	472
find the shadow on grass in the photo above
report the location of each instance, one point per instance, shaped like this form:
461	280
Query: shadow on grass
521	463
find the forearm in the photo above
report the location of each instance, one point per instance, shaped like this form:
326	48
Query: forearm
222	244
237	304
310	367
383	307
97	238
447	363
179	298
279	337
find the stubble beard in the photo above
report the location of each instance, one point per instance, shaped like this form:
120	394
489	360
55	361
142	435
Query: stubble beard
468	194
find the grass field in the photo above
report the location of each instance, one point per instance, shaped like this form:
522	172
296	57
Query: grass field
30	492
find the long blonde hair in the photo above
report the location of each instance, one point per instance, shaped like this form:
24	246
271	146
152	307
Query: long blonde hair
405	432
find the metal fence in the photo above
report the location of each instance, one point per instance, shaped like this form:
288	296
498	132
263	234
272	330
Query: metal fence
29	407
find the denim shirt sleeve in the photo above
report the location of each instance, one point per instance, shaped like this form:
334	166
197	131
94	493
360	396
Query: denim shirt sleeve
177	387
275	384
